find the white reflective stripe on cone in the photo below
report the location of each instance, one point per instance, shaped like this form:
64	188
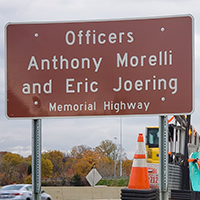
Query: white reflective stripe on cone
139	163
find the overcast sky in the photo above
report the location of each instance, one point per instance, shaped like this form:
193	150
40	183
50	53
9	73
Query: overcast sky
63	134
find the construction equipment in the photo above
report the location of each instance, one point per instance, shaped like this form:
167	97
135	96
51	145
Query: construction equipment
152	144
183	140
182	137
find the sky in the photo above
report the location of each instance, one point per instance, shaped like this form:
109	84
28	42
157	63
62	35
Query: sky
64	133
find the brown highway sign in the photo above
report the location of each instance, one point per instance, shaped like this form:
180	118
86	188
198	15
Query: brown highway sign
118	67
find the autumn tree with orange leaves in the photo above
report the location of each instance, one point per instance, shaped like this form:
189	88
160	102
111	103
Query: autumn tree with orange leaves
59	168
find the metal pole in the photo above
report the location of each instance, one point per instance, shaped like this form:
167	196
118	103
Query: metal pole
120	172
115	138
36	159
163	157
185	167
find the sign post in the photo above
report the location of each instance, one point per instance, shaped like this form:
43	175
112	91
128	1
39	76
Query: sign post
163	158
36	159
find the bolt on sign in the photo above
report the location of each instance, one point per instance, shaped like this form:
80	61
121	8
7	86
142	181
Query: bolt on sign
119	67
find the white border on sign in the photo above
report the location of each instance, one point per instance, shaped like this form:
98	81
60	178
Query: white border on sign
101	20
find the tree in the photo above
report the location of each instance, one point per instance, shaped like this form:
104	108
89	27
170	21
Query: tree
76	180
78	151
85	164
106	167
63	168
29	171
106	148
126	166
12	159
1	159
47	168
11	167
70	163
28	180
56	158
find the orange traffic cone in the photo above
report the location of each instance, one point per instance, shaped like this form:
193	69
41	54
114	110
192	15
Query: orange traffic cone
139	173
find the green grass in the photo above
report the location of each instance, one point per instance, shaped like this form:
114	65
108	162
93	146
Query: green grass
118	182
